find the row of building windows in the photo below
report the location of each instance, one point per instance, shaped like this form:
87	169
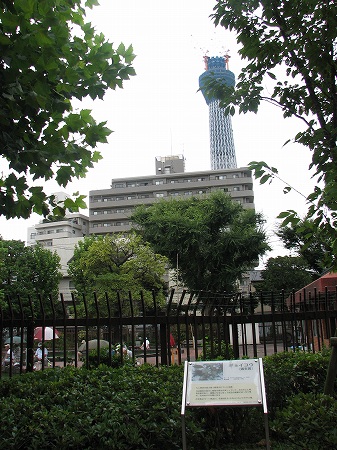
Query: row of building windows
111	224
161	194
47	243
128	222
52	231
111	211
177	180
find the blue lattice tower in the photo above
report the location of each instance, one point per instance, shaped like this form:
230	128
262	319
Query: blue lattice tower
220	124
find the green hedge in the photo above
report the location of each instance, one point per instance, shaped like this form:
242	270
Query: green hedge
115	360
108	408
290	373
139	408
125	408
308	420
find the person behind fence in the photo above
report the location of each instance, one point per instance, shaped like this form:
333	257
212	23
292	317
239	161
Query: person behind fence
172	341
126	351
41	353
8	356
146	343
81	353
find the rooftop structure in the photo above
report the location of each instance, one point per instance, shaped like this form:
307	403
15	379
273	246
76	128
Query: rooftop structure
170	164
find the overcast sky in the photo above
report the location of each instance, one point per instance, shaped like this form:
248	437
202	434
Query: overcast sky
160	111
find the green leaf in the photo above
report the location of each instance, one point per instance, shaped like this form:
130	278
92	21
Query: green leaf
265	178
91	3
121	49
42	39
284	214
97	156
27	6
4	40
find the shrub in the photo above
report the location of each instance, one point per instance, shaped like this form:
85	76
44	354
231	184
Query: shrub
216	350
104	358
226	426
136	408
290	373
126	408
309	420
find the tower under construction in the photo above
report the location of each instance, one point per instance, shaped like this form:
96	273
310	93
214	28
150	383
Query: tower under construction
220	124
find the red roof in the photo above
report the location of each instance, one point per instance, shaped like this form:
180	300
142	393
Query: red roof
328	281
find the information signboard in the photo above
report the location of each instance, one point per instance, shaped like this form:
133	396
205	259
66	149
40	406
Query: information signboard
224	383
211	383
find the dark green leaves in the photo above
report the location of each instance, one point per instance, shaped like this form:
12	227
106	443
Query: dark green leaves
299	39
285	273
31	269
42	68
213	239
114	263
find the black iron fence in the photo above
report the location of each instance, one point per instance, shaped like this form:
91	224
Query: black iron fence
189	326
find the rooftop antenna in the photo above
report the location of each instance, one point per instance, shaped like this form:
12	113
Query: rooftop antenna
226	58
171	139
206	60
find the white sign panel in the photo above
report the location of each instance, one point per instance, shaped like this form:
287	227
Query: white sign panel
227	383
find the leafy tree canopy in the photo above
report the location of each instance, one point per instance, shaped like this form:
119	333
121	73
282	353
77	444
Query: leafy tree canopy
49	56
29	271
106	264
300	39
285	273
313	250
213	238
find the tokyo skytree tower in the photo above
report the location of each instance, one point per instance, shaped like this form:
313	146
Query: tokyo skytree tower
220	124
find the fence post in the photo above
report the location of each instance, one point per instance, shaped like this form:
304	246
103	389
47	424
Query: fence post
235	335
163	344
30	346
332	369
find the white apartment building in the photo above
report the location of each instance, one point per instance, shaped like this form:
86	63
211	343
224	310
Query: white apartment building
110	209
61	237
74	225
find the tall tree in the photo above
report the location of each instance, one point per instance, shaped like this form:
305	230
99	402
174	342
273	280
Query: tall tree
299	39
49	56
313	251
106	264
285	273
213	238
29	271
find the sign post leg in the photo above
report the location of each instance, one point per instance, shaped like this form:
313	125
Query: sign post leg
266	426
183	432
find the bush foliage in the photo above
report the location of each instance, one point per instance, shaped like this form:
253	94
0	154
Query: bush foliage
290	373
115	360
308	419
106	408
134	408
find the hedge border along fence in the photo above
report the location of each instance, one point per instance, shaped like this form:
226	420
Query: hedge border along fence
138	408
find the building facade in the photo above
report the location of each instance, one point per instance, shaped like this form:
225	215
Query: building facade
73	225
220	124
61	237
110	209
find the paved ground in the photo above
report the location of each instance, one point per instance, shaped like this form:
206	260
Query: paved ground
262	350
